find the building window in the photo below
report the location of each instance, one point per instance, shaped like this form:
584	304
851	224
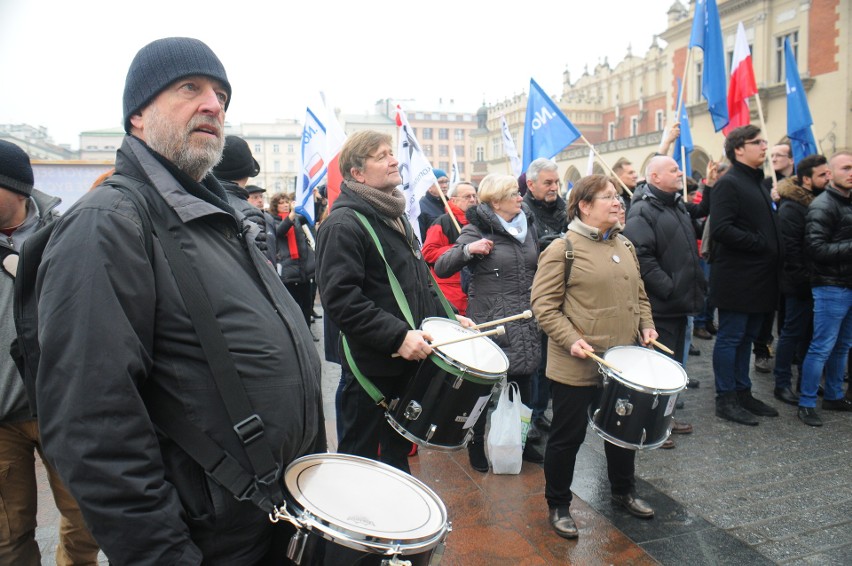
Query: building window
427	133
658	120
276	166
443	133
780	75
291	148
480	153
275	148
277	186
427	150
258	148
634	126
291	165
611	131
461	168
445	165
459	133
460	151
443	151
496	147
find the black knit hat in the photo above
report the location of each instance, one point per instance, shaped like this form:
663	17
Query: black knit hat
237	162
162	62
16	173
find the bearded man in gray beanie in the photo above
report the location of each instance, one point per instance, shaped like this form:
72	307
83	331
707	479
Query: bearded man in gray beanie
23	210
121	358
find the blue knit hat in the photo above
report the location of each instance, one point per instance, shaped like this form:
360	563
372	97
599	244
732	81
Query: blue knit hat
438	173
162	62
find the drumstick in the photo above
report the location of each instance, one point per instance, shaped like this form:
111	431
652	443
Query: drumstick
525	314
603	362
662	347
498	330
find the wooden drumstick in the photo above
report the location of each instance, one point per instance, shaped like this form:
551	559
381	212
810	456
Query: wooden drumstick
525	314
499	330
603	362
662	347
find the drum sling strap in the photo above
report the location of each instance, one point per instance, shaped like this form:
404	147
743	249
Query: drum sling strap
373	391
262	486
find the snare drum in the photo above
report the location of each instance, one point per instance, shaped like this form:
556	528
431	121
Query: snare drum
637	406
351	510
450	390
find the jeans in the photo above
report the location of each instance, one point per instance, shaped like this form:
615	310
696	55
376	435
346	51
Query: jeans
829	346
706	314
793	339
732	352
687	339
18	496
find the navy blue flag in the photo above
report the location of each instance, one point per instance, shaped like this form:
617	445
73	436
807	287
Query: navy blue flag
683	141
707	35
547	130
799	119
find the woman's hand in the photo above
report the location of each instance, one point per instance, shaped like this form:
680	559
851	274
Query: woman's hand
292	216
579	349
465	321
480	247
649	334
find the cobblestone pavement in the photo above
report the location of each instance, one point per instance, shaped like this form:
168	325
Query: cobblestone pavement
778	493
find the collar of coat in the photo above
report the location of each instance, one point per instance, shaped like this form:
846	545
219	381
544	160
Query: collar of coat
579	227
791	190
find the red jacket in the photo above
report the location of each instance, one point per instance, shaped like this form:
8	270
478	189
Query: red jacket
439	238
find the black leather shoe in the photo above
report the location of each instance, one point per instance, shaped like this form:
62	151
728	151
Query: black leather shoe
763	364
315	315
755	406
562	523
542	423
786	395
679	405
532	455
693	351
841	404
711	328
728	408
635	506
476	455
809	416
533	434
693	383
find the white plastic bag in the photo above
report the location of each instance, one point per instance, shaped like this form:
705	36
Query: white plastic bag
504	436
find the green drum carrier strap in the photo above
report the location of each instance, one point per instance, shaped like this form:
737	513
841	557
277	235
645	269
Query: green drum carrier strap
402	302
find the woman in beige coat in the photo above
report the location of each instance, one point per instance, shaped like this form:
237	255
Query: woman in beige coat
603	305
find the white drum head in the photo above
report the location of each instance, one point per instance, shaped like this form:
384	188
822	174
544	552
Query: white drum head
478	354
647	368
374	500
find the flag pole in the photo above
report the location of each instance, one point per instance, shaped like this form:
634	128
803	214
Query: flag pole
683	167
765	133
683	84
448	210
606	166
816	140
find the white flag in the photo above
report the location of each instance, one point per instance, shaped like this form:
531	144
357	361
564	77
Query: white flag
414	168
509	147
312	164
455	175
590	164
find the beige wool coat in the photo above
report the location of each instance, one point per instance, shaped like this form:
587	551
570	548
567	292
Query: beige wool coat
604	301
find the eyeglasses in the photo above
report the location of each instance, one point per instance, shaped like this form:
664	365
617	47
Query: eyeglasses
757	142
513	194
609	197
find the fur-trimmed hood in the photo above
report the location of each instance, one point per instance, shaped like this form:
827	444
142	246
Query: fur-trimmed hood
790	188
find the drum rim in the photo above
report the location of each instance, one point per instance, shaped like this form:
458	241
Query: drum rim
356	540
425	444
638	386
622	443
464	369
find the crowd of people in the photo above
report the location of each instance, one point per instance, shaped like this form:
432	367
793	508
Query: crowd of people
177	375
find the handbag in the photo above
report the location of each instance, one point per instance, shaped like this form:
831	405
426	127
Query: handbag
505	441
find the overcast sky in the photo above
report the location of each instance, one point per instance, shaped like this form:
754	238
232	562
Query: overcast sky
63	63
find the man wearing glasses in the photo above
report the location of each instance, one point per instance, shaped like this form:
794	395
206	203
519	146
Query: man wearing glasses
746	266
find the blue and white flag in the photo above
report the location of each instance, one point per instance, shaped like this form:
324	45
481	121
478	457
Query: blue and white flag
799	119
707	35
683	145
547	131
415	170
509	148
312	165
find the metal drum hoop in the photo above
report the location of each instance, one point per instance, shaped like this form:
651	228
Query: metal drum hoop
461	369
607	373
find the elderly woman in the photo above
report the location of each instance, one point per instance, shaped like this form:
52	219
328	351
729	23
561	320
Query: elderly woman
499	246
602	305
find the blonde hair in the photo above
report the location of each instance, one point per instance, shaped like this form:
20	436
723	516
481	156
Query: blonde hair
496	187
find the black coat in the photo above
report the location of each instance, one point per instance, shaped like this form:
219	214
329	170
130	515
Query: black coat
661	230
747	246
792	211
500	283
299	269
828	239
550	219
431	207
355	290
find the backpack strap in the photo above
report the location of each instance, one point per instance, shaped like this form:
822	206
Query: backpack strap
569	258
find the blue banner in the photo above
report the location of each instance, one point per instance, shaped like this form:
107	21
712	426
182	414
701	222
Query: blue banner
707	35
547	130
799	119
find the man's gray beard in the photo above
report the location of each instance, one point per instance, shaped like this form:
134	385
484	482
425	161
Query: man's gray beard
173	143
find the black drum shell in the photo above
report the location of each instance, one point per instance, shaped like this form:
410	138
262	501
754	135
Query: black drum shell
319	551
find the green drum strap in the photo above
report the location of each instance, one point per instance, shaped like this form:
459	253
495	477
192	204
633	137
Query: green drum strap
368	386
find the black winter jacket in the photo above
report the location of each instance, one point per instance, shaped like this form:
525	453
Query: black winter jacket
431	207
550	219
293	270
661	231
828	239
500	282
792	212
747	246
354	287
114	328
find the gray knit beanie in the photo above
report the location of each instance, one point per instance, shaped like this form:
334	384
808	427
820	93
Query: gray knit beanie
16	173
162	62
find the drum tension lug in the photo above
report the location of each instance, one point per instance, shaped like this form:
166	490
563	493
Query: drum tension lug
623	407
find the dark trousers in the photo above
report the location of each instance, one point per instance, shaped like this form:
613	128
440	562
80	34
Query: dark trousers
794	339
361	424
570	419
301	293
672	333
539	384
